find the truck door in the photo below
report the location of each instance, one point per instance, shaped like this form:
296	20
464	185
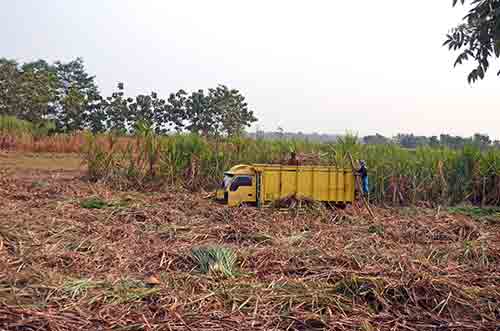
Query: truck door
242	189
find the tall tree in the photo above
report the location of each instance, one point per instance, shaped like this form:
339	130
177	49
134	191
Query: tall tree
97	117
27	91
37	93
434	141
10	77
221	111
77	94
453	141
477	38
150	111
481	140
175	111
200	116
411	141
231	109
376	139
117	110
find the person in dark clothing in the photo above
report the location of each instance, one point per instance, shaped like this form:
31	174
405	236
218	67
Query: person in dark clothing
363	173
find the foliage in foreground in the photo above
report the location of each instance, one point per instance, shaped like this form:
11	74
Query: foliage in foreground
477	37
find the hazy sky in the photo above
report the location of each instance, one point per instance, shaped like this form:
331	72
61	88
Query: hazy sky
326	66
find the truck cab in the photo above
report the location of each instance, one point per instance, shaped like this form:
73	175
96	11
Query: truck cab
238	186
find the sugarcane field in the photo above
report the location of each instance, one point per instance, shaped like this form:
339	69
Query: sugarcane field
87	243
249	165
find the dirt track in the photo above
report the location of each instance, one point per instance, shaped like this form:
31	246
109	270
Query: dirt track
65	267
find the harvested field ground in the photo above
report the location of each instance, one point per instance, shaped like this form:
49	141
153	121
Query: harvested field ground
80	256
14	162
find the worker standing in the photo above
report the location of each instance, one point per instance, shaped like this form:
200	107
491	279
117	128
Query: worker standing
363	173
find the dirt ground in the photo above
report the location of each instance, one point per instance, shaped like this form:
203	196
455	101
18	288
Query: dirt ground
76	255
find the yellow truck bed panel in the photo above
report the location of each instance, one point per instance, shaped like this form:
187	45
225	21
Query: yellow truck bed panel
318	183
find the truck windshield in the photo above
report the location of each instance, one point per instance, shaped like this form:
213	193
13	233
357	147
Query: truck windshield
226	181
240	181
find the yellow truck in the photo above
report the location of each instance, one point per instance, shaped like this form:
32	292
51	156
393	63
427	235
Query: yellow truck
262	183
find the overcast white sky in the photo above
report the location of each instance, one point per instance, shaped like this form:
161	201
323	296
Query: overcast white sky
312	66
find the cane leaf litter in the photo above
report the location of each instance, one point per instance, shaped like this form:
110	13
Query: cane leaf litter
77	255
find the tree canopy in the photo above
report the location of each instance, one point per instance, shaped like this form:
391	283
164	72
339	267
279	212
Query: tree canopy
411	141
66	95
477	37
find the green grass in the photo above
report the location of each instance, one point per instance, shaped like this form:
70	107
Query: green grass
128	291
94	203
123	291
215	260
489	214
99	203
79	287
10	125
376	229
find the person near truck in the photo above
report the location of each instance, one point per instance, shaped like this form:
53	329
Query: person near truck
363	173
